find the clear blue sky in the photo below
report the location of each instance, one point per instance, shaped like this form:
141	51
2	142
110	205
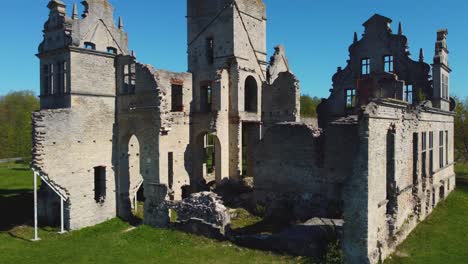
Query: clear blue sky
316	34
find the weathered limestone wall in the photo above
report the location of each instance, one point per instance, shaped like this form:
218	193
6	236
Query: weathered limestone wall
68	144
281	100
398	195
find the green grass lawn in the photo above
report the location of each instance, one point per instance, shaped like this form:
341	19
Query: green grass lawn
443	236
111	242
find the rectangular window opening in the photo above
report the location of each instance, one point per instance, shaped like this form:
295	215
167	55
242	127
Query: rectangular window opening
170	169
409	93
415	157
177	104
210	50
100	184
388	63
365	67
350	98
206	98
441	149
431	152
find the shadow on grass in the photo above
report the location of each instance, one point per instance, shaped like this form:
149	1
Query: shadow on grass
16	207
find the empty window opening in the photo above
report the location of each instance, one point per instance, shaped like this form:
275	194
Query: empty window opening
388	63
250	95
445	87
441	149
111	50
442	192
47	79
177	98
210	157
415	158
350	98
431	152
210	50
424	154
129	80
100	184
409	93
365	67
170	171
446	147
90	46
206	98
391	181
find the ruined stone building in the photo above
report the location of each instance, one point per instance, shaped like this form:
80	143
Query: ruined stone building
110	125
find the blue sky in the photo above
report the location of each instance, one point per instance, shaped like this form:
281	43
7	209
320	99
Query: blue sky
316	34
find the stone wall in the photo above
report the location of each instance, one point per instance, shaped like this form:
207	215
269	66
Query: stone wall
395	194
68	145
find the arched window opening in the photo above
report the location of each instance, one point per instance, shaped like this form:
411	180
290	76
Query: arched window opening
90	46
251	95
112	50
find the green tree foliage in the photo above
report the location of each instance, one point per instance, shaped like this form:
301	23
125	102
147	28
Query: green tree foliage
15	123
309	106
461	130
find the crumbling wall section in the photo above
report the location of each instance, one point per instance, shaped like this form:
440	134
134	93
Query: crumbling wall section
401	179
281	100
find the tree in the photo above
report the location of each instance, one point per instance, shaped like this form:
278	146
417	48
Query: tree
15	123
461	130
309	106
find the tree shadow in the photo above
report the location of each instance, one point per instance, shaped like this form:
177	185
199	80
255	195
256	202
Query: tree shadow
16	207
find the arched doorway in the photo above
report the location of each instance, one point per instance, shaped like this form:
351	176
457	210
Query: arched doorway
135	177
251	95
207	158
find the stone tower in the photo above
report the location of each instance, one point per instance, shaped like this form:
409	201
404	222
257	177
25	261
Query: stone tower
441	72
74	129
227	57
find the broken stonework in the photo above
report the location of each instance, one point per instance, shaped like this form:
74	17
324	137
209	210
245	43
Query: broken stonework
205	206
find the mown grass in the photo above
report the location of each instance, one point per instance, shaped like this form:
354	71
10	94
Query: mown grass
111	242
443	236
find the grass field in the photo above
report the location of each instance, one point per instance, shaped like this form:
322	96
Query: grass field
442	238
111	242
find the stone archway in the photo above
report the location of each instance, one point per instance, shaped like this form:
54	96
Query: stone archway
130	176
250	95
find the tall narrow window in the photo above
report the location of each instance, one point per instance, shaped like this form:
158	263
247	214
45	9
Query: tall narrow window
100	184
445	84
210	153
250	95
365	67
446	148
391	181
409	93
59	77
129	76
388	63
170	169
350	98
65	77
45	80
210	50
424	154
415	157
52	84
177	98
90	46
441	149
206	98
431	152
